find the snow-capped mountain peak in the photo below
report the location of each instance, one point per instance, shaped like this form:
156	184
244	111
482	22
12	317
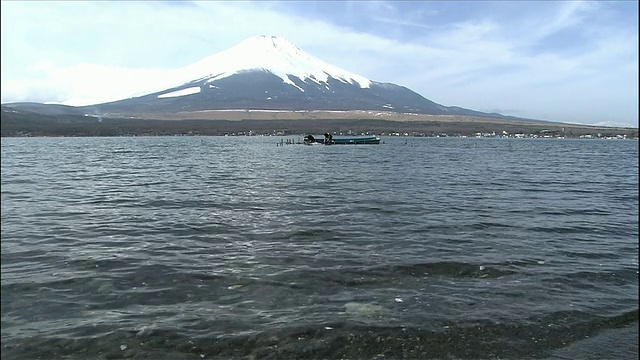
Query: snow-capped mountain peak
272	54
269	73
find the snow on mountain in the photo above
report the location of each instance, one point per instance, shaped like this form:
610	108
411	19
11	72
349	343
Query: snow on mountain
275	55
183	92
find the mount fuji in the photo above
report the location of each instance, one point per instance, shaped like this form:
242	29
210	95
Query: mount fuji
271	73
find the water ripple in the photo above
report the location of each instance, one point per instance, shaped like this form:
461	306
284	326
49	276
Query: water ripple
234	248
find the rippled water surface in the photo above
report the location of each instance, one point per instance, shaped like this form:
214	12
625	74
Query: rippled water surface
228	247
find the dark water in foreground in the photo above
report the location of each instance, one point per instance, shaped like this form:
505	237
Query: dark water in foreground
214	247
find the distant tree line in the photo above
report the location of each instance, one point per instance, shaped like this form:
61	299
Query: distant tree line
30	124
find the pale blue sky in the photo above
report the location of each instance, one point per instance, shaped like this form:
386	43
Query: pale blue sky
574	61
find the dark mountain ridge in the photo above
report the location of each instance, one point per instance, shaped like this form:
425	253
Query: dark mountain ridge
262	90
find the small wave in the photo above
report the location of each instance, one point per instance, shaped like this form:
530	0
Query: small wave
448	269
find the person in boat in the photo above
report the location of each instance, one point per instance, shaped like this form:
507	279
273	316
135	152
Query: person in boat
328	138
310	138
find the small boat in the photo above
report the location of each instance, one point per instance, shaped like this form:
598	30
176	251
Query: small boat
330	140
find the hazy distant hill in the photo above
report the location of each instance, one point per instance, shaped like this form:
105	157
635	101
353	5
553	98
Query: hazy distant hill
45	109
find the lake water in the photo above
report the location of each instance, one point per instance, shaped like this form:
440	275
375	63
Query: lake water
235	248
